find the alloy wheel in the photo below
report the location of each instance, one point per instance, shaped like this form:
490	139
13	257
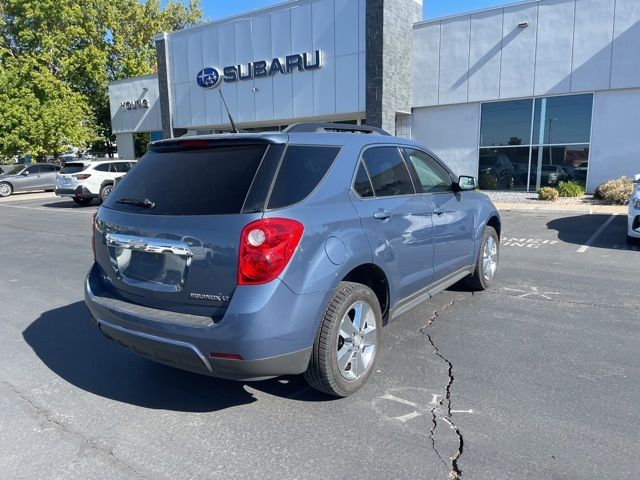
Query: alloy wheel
356	341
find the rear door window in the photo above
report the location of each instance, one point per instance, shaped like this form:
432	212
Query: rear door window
302	169
73	168
120	167
211	181
388	172
105	167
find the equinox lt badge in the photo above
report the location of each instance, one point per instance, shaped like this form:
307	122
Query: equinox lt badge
213	298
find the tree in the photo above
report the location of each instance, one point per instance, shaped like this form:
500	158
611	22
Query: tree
57	58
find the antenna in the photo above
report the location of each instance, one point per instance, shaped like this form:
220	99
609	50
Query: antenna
233	124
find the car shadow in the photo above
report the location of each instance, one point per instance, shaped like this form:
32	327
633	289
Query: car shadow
68	342
580	228
69	204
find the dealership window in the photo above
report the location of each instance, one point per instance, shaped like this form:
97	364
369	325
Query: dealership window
528	144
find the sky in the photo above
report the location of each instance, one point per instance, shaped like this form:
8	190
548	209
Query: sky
214	9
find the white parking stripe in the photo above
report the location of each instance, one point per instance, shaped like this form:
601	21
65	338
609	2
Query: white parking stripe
593	237
44	209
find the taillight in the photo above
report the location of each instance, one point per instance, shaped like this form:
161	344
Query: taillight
266	246
82	176
93	234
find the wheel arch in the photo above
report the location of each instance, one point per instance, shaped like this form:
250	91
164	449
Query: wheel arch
374	277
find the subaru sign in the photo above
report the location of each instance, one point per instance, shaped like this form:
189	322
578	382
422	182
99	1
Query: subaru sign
210	77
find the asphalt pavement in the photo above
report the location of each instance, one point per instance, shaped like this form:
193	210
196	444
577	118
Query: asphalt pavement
537	378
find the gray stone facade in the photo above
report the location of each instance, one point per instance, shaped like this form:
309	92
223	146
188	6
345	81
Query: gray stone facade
389	29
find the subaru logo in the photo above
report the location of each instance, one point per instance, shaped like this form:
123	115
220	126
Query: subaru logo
208	77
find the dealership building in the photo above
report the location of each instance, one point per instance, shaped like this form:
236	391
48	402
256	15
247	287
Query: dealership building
520	96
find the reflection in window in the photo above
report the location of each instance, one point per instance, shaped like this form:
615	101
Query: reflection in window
503	168
506	123
553	164
388	172
559	120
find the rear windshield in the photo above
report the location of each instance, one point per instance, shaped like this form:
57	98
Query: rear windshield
191	182
73	168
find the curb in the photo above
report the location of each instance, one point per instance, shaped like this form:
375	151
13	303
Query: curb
585	209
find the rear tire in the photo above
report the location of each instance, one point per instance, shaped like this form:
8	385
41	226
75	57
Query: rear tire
5	189
486	261
82	201
348	341
105	191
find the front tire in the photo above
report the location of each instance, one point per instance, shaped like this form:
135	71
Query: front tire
346	347
5	189
486	261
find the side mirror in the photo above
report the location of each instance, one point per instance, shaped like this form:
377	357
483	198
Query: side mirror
25	173
637	178
466	182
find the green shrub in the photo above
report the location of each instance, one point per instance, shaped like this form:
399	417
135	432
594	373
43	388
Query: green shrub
548	193
615	191
570	189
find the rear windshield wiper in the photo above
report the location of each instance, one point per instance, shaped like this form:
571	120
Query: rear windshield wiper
146	203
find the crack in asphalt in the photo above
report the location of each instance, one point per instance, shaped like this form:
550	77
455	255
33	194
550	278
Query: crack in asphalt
46	414
455	471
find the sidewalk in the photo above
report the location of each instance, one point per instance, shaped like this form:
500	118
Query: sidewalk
28	196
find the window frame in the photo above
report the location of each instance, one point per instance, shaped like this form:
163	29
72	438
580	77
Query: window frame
398	148
531	145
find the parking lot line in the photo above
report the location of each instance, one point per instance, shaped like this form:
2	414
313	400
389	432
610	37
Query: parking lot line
47	209
593	237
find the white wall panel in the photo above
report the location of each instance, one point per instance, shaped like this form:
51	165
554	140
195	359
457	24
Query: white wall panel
211	58
195	63
362	82
324	79
261	37
246	107
302	41
451	132
282	84
179	60
181	104
554	47
518	51
592	45
615	150
454	60
485	56
346	37
625	63
425	67
346	84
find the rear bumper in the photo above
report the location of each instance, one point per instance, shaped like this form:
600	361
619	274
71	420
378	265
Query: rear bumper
268	326
79	192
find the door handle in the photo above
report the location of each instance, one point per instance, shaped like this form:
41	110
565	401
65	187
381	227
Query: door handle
438	210
382	215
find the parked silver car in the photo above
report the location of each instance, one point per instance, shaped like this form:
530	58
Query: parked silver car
24	178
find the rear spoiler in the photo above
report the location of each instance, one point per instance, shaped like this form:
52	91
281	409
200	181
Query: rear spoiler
215	141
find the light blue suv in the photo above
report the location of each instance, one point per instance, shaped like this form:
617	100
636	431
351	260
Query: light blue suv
249	256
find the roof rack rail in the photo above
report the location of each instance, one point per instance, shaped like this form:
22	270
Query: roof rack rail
333	127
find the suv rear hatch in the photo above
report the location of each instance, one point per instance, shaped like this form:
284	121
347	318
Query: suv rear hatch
67	178
168	235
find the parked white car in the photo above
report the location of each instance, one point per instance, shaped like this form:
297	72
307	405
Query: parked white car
85	180
633	230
